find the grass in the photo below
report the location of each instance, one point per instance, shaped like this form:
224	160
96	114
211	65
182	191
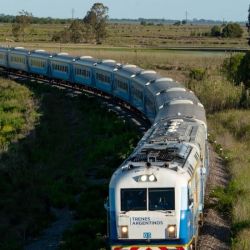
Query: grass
232	131
135	35
17	112
73	142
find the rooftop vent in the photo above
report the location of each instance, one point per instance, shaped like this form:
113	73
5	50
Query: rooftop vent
129	66
63	54
175	89
164	79
148	72
181	102
108	61
86	57
40	50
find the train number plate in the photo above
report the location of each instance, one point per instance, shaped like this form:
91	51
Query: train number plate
147	235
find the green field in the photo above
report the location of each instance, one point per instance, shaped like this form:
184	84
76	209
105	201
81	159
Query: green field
135	35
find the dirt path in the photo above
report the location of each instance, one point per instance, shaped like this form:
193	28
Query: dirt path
215	233
50	238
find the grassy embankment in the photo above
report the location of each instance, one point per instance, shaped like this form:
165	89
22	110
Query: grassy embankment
135	35
52	145
232	132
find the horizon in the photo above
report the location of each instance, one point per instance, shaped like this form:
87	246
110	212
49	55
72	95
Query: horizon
135	9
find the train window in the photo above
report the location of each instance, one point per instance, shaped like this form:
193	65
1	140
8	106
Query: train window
161	199
17	59
37	63
134	199
149	104
82	72
137	93
1	56
103	78
119	83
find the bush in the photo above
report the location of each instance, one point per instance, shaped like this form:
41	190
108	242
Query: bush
237	69
197	74
216	31
230	67
244	70
216	94
226	197
232	30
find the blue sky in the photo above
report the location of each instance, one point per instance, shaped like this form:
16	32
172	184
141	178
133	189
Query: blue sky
230	10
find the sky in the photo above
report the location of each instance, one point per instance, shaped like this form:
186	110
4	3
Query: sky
228	10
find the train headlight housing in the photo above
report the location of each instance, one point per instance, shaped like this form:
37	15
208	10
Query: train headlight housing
171	231
145	178
124	232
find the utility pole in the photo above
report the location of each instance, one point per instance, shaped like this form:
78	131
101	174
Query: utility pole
186	14
73	13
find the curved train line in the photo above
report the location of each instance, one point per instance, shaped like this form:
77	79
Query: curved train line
156	197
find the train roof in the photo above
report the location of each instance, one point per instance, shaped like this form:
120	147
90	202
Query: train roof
19	50
128	70
161	84
63	57
182	108
87	61
4	49
41	53
167	97
175	144
107	65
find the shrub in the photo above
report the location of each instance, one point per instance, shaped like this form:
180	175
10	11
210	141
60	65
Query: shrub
232	30
244	70
197	74
226	197
216	31
216	94
230	67
237	69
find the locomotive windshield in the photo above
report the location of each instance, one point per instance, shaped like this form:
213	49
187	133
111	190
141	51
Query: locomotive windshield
161	199
135	199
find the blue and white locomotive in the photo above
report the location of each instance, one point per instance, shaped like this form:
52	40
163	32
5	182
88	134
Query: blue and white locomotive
156	196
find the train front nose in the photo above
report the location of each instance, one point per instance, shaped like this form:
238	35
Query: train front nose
156	225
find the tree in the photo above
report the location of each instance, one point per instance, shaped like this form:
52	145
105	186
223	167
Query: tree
244	70
76	30
216	31
232	30
230	68
22	21
96	21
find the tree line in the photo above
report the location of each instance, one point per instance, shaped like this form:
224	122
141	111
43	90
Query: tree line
92	28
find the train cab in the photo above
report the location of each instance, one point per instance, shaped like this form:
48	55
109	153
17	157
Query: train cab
155	196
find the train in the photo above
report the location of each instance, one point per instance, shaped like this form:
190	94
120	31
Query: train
156	196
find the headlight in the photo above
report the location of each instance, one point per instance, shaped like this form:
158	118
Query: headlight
171	231
124	232
144	178
151	177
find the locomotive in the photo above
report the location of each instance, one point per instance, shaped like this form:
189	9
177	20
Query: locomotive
156	197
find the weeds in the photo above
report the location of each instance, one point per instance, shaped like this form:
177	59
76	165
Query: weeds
231	129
